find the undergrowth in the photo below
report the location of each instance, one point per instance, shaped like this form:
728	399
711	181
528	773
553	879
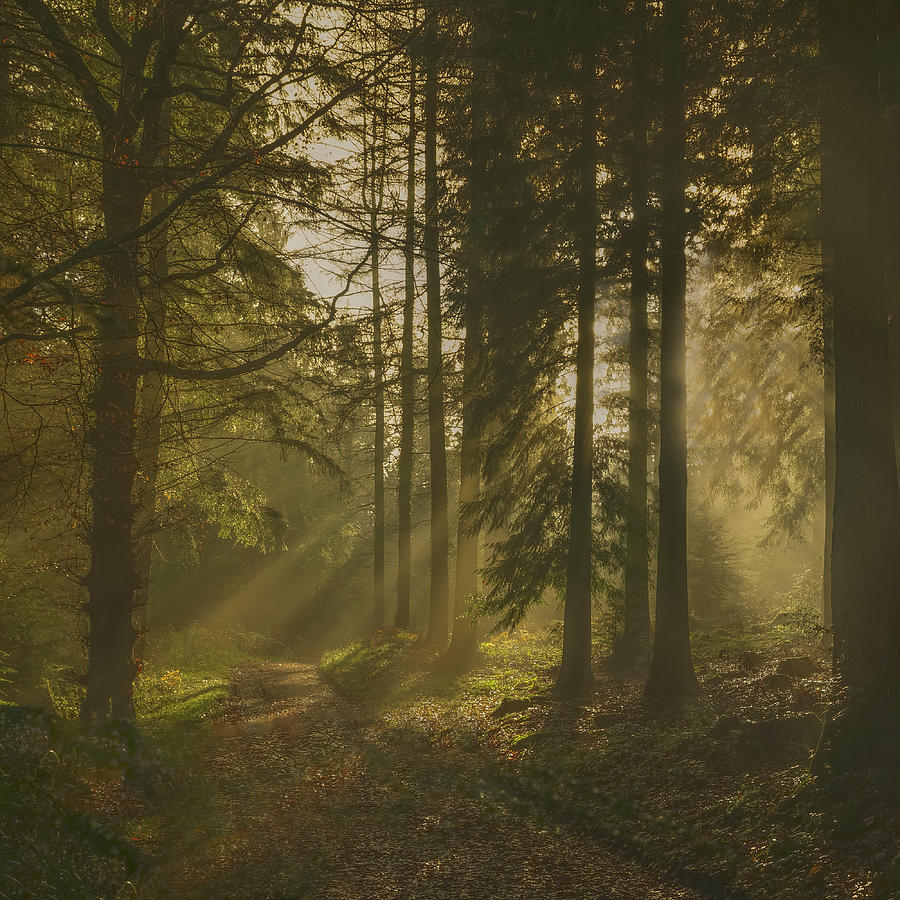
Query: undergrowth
696	792
79	804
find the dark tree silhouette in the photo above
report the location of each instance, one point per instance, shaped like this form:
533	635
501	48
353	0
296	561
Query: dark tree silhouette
863	724
671	670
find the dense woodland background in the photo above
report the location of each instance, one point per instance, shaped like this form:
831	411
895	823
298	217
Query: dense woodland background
538	363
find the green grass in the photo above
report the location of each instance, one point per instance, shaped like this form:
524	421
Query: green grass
369	669
174	698
185	679
210	650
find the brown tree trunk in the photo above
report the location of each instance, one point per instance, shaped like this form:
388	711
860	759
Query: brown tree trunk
378	362
862	729
438	616
575	676
112	578
826	184
465	633
637	576
828	346
153	395
889	39
407	375
671	670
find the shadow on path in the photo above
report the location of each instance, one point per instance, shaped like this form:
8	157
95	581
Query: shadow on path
299	794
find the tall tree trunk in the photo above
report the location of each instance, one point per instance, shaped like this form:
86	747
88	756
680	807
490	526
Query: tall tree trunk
637	576
407	375
862	729
467	537
826	184
438	618
378	362
465	634
152	402
575	676
112	578
889	39
828	347
671	670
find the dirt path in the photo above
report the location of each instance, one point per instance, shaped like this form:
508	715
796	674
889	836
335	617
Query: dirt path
298	795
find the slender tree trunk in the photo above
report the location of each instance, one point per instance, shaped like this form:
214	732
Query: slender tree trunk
112	578
407	375
828	346
575	676
671	670
378	361
153	395
637	576
438	619
862	729
826	183
465	633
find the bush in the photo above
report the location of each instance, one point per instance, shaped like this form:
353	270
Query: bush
800	606
209	650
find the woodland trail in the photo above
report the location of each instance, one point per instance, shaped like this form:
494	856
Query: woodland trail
300	794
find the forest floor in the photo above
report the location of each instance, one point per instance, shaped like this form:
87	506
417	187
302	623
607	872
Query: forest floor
383	772
315	797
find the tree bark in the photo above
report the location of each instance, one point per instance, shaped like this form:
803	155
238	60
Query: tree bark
112	578
407	375
889	40
671	670
828	349
153	395
575	676
826	131
862	728
637	576
438	618
378	363
465	633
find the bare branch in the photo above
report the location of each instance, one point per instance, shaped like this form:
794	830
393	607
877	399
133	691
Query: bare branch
254	365
105	244
66	335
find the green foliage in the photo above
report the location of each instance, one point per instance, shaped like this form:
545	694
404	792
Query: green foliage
800	607
365	668
166	699
210	649
756	410
185	679
717	585
37	649
64	691
5	670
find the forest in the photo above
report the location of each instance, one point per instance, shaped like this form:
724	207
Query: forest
450	450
